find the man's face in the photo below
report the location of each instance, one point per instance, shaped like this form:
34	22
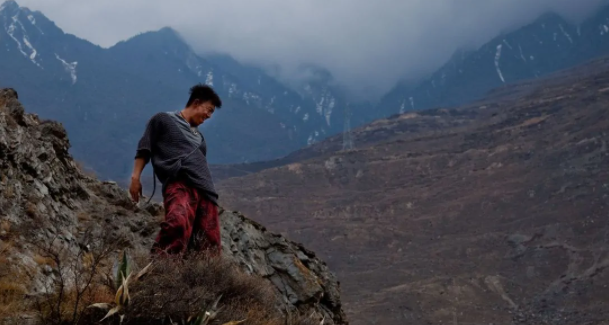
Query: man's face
203	111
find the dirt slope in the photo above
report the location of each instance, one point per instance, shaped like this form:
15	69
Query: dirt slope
488	214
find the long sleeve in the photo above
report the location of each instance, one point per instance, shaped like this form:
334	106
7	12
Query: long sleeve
146	143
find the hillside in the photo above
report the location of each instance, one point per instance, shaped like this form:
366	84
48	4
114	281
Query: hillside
490	213
54	220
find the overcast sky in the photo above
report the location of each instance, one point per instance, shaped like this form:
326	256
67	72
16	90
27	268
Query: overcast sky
364	43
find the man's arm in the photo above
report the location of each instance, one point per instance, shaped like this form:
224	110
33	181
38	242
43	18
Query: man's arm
138	167
136	185
142	156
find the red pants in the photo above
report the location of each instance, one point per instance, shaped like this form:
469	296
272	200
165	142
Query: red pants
191	223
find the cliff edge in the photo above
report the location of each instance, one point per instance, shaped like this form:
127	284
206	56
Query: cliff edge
46	199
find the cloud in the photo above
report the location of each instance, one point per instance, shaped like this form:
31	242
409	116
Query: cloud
367	45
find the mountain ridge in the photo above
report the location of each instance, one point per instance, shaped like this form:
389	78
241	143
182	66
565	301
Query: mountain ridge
546	45
136	78
264	119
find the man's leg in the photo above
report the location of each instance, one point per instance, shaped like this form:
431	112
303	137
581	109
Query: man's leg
206	232
180	209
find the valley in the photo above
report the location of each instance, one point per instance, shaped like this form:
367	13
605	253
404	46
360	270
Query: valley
493	212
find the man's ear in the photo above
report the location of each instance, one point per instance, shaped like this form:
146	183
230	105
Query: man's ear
194	103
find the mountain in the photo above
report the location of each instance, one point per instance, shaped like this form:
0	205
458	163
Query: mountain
312	107
547	45
494	212
105	96
55	220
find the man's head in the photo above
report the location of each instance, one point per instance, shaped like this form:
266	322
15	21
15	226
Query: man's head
202	103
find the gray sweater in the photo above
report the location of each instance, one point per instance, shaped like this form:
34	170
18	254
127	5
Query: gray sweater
177	152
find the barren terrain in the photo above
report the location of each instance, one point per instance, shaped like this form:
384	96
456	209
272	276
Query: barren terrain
493	213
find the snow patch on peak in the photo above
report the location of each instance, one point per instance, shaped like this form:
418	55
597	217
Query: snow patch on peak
329	109
565	33
319	106
16	29
32	20
270	107
497	58
232	90
209	80
310	140
193	63
522	54
251	98
34	52
70	68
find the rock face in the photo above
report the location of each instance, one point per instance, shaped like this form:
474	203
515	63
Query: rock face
44	193
297	273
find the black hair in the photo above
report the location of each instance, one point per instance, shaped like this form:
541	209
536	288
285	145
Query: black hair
204	93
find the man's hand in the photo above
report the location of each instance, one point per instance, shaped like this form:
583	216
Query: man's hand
135	189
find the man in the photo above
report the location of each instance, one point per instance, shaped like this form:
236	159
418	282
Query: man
178	152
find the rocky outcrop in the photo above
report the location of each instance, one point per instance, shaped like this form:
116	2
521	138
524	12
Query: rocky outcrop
44	194
302	279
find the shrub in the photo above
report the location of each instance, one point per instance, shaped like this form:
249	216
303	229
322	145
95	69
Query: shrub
177	289
79	276
196	290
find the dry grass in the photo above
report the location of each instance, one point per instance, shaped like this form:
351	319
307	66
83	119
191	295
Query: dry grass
83	216
11	300
5	226
180	288
42	260
31	210
173	288
70	306
302	320
13	282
